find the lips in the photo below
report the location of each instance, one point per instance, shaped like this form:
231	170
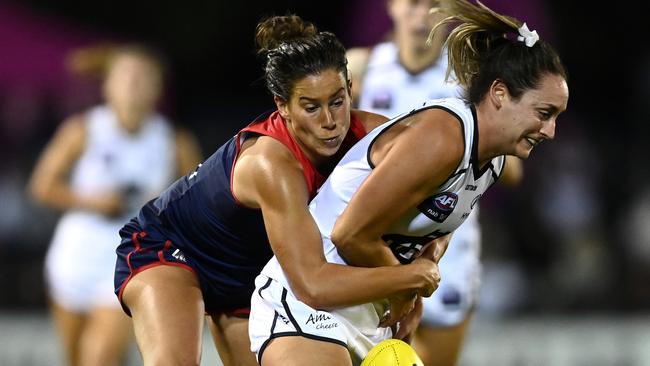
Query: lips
331	142
533	142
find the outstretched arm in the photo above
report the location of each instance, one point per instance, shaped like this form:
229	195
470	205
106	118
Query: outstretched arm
279	189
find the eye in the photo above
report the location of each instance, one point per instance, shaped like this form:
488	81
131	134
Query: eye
337	102
544	115
311	108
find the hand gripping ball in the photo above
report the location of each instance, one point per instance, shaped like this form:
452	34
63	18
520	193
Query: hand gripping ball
392	352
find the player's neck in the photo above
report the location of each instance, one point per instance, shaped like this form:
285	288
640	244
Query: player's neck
416	58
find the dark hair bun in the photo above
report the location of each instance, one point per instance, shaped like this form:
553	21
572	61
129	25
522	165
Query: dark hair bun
278	29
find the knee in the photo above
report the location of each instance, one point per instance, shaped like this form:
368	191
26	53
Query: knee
166	358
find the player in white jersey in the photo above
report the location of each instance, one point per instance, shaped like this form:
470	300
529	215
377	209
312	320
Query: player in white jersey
100	167
391	78
413	180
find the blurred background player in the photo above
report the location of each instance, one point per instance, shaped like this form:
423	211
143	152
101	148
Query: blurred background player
396	76
100	166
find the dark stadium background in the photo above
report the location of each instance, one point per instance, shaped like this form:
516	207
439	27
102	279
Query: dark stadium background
215	87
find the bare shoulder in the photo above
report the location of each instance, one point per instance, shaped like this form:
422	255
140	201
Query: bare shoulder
434	132
357	59
72	131
441	125
264	167
368	119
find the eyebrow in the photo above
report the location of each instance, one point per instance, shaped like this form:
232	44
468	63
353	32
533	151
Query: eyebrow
330	97
551	108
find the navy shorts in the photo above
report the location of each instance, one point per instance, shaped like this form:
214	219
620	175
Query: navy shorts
138	251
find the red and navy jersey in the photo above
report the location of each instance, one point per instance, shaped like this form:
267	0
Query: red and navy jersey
224	241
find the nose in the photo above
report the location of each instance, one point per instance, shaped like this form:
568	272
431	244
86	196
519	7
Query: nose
328	122
548	129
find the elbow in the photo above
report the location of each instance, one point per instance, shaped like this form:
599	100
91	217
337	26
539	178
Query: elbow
38	192
311	295
340	240
347	244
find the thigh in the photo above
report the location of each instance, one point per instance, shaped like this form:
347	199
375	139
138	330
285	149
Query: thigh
168	314
300	351
230	335
441	346
107	334
69	326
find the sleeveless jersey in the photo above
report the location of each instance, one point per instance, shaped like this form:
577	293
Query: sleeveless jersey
389	89
223	240
114	160
438	215
81	258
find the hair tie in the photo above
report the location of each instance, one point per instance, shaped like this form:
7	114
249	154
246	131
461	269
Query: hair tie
526	36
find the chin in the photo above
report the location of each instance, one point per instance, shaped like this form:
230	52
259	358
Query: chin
523	154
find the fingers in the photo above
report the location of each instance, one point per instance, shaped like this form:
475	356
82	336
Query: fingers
430	276
400	306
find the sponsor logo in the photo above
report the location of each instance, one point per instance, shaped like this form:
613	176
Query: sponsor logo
451	297
195	172
284	319
382	100
316	318
470	187
475	201
320	320
440	206
179	255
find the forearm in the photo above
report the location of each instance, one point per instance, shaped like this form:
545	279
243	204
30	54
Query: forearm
365	253
57	195
333	285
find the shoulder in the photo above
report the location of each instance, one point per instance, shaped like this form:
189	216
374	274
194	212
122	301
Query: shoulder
184	137
266	155
368	119
73	128
357	59
435	131
265	168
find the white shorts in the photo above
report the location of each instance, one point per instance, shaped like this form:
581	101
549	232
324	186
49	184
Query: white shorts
460	273
275	312
80	262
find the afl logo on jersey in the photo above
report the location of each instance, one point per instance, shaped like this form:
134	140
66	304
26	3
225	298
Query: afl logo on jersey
382	100
439	207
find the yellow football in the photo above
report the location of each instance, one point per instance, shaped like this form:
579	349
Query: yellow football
392	352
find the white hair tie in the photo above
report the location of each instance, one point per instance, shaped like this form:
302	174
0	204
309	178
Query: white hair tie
526	36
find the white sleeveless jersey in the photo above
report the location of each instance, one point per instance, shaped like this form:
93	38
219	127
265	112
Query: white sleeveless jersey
387	88
138	165
81	259
438	215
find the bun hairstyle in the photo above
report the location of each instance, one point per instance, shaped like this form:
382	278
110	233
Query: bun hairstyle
485	46
293	49
273	31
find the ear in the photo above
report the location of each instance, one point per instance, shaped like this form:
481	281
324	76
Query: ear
498	93
283	106
389	8
349	86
